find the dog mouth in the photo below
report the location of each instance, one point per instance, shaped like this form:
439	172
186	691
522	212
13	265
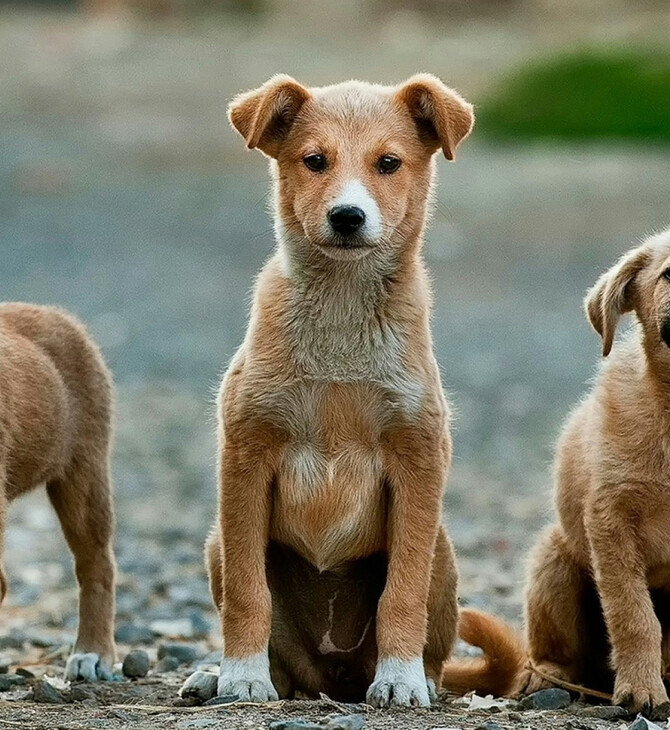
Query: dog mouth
345	246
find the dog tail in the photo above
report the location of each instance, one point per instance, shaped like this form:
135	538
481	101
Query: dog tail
504	656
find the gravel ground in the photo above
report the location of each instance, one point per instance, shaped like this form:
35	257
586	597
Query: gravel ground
125	198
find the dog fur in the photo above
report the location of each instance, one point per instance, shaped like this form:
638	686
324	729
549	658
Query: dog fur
598	597
328	563
55	429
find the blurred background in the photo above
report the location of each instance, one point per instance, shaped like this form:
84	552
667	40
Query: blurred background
125	197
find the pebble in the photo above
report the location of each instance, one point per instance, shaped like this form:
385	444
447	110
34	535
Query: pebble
222	700
346	722
9	681
167	664
47	693
23	672
488	725
136	664
173	627
79	693
605	712
547	699
133	634
184	653
295	725
641	723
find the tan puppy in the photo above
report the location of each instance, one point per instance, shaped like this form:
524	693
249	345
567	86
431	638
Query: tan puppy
55	428
329	565
599	587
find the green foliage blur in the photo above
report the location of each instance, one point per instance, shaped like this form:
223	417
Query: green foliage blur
587	95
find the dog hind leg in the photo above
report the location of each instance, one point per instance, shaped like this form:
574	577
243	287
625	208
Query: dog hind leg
83	503
442	611
554	620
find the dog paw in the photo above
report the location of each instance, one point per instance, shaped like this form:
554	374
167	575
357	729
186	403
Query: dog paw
529	680
639	696
247	679
200	685
87	667
399	683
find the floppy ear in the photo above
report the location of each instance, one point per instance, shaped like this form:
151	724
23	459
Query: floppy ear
614	294
442	116
264	116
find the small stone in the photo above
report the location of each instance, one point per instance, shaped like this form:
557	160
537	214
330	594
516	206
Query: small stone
15	639
547	699
167	664
80	693
23	672
605	712
184	653
133	634
223	700
346	722
47	693
9	681
173	628
488	725
294	725
136	664
641	723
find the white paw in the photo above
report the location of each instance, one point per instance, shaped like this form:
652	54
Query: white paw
87	667
247	679
201	685
399	683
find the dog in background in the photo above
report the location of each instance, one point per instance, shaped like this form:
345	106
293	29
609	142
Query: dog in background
598	597
55	429
328	564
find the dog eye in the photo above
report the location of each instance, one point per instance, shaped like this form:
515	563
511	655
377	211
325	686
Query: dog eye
666	274
315	163
387	164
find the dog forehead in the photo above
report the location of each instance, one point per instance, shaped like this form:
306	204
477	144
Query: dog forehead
353	99
355	113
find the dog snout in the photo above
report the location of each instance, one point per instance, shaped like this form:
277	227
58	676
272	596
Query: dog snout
346	219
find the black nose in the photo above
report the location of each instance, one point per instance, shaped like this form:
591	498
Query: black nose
346	219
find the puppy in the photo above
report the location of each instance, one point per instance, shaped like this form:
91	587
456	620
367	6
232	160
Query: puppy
598	597
55	428
328	563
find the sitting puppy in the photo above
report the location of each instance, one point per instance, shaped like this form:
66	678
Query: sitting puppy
55	428
598	598
328	564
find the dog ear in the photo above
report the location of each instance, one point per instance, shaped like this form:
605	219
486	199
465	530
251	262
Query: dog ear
264	116
442	116
614	294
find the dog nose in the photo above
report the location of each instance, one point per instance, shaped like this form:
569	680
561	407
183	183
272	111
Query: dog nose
346	219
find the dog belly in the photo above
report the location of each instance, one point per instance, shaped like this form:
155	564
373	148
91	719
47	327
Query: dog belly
33	418
323	623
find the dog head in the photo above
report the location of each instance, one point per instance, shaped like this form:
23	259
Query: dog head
352	162
639	282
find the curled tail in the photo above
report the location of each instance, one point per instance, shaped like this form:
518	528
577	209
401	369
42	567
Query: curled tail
504	657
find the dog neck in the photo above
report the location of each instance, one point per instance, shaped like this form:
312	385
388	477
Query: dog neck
351	320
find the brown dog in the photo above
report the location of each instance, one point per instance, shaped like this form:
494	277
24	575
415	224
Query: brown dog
329	565
55	428
598	599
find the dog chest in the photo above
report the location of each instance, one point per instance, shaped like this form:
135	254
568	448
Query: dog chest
329	496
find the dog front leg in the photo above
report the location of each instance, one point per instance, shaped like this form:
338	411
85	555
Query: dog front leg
416	471
633	628
245	607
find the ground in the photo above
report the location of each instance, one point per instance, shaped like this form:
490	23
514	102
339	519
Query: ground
125	197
